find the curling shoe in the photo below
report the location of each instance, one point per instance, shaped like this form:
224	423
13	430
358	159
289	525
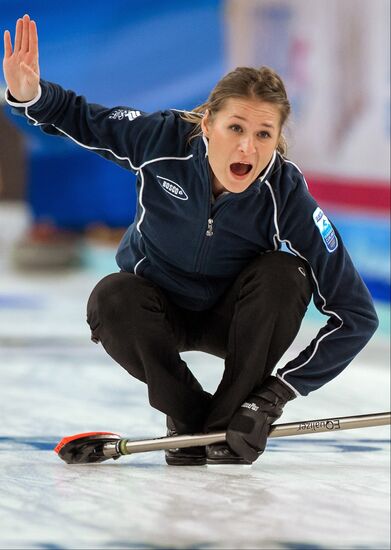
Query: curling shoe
190	456
220	453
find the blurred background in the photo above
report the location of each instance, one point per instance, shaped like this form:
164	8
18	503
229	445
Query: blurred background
62	207
63	211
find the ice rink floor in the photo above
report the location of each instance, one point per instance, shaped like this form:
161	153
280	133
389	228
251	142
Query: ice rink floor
311	492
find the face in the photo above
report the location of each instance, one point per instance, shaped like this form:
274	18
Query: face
242	138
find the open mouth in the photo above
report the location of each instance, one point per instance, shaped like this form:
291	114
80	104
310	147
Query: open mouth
240	168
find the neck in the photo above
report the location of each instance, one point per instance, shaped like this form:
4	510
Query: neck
217	187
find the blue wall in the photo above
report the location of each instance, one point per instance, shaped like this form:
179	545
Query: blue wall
144	54
148	55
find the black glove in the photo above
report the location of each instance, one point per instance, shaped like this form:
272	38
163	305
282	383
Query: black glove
249	427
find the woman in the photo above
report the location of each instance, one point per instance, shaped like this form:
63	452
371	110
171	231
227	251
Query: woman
201	266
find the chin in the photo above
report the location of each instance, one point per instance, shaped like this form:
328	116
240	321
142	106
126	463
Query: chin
236	186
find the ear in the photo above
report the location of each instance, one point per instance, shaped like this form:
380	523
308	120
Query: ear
205	123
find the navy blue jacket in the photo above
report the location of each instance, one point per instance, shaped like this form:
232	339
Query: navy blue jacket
194	248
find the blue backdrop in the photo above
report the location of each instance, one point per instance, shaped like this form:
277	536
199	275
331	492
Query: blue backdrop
149	55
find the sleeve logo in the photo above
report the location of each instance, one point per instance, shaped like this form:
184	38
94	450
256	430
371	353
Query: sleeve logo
120	114
326	230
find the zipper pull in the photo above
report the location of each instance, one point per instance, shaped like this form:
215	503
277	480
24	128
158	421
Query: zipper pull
209	231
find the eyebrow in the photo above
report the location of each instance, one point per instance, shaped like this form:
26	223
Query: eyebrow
264	124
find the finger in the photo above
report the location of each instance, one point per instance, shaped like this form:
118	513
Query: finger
25	37
33	39
7	45
18	35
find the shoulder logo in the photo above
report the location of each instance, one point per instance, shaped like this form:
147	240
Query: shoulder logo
172	188
325	229
120	114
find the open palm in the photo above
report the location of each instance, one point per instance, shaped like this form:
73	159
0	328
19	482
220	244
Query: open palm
20	65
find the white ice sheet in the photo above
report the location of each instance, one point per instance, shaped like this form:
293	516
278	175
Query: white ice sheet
315	491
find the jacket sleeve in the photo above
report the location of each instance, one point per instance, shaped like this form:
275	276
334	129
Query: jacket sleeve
339	292
120	134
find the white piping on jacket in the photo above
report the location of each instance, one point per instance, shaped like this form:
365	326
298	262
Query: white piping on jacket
138	169
278	238
295	165
36	123
269	166
26	103
142	190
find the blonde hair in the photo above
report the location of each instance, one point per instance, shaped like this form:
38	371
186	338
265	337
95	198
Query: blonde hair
245	82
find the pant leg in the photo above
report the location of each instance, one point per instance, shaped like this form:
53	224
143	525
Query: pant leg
142	331
252	326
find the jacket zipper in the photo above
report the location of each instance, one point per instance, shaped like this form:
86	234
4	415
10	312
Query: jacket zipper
209	231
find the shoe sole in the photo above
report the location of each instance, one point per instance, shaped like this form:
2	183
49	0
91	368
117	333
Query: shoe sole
228	462
186	461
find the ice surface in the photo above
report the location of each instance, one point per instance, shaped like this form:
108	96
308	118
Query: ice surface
315	491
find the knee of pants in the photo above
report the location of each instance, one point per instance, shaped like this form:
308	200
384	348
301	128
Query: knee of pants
115	296
281	276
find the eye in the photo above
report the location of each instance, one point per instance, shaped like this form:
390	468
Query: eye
235	128
264	134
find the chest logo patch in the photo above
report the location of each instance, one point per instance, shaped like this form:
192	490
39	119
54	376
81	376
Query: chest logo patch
172	188
326	230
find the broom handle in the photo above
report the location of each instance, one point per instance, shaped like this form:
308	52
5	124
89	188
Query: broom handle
126	446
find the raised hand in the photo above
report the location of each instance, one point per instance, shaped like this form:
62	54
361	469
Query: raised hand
20	66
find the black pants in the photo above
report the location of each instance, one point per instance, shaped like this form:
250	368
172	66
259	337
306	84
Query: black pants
251	327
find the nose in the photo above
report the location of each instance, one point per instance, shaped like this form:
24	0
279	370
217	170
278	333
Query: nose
247	145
